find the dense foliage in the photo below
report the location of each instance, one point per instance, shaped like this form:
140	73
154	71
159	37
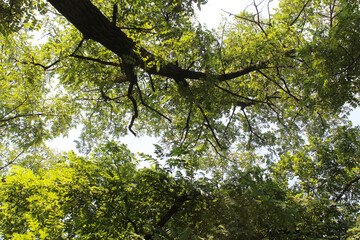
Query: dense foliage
251	117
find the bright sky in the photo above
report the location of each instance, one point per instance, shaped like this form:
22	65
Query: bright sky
211	14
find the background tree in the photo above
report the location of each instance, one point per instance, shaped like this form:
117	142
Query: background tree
30	110
106	196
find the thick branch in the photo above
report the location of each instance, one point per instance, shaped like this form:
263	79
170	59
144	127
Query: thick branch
88	19
129	72
178	203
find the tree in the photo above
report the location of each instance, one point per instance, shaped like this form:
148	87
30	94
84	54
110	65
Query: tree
105	196
150	63
325	173
254	103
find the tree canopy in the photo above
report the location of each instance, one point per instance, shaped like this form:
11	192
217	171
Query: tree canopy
252	120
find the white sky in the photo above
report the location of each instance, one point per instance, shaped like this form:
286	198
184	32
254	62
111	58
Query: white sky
211	14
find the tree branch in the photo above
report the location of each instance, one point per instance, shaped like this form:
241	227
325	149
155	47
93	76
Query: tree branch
245	18
12	161
129	72
210	127
179	201
286	89
346	188
24	115
114	14
96	60
237	95
39	64
187	126
148	106
88	19
297	17
250	127
12	110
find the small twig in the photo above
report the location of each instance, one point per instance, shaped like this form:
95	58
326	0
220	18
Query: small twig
221	47
293	120
297	17
346	188
237	95
268	9
187	126
78	46
12	161
210	127
191	65
148	106
54	63
214	147
230	119
96	60
199	135
246	19
24	115
39	64
258	19
151	83
250	127
279	115
22	103
286	89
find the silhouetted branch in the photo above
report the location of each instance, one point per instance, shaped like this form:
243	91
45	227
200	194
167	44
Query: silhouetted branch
179	201
210	127
301	11
129	72
346	188
96	60
148	106
12	161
